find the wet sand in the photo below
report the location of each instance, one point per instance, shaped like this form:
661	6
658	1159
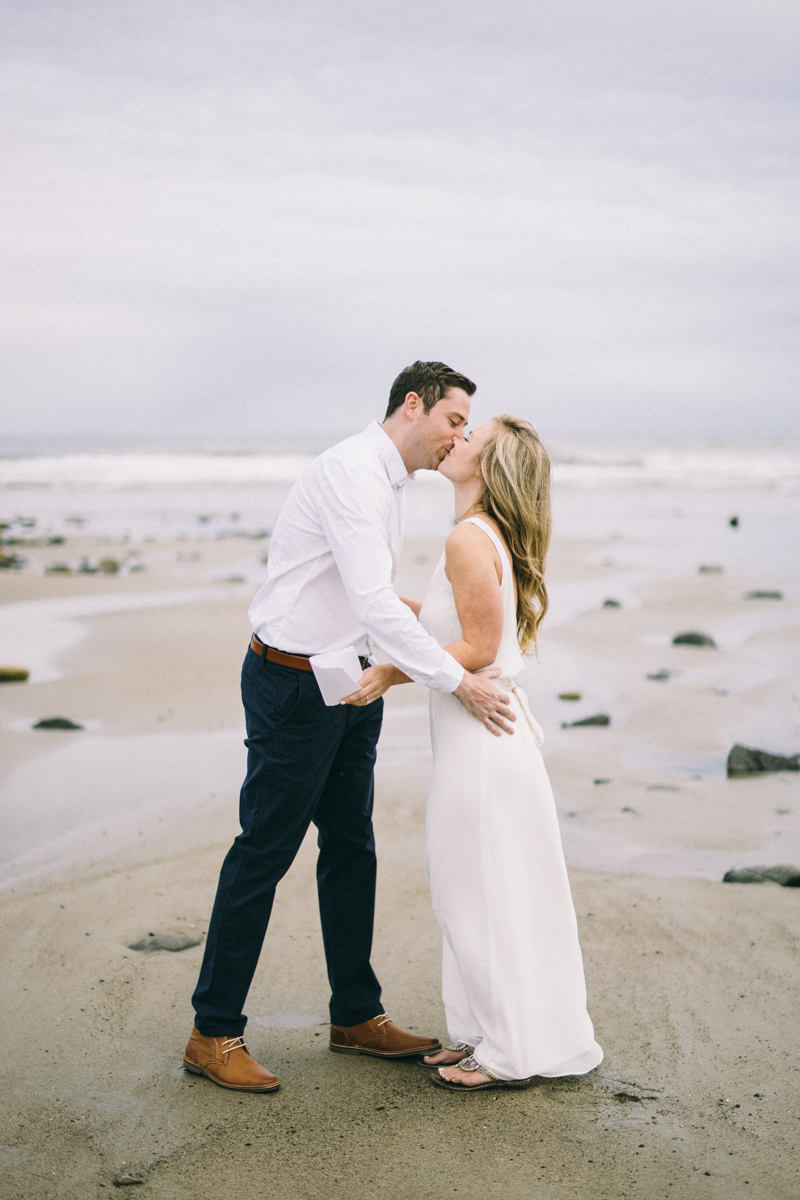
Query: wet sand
120	830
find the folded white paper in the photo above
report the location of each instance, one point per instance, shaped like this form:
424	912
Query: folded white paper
337	674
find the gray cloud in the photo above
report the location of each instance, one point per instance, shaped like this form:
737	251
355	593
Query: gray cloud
247	218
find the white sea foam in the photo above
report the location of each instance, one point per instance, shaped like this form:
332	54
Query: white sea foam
149	470
704	466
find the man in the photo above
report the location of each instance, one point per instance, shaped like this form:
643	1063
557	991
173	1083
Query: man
333	558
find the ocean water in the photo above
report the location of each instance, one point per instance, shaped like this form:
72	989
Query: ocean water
650	512
667	508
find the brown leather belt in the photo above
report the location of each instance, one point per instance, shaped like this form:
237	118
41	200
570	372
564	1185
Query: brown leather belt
298	661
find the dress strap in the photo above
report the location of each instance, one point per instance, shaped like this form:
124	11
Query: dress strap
487	529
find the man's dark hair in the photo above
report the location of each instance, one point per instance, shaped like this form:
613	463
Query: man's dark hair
430	380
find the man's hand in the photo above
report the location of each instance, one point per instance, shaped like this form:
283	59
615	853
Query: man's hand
485	701
374	682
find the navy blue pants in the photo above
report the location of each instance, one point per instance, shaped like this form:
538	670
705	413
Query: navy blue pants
305	762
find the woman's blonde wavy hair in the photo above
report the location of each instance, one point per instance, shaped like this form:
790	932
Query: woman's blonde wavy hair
516	495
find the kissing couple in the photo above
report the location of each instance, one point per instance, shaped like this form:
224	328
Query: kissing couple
512	973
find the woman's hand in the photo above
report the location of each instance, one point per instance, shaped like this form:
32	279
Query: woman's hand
374	682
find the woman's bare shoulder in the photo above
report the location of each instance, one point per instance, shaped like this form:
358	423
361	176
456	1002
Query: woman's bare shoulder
469	546
466	536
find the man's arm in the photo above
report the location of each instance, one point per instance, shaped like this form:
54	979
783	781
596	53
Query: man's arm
354	514
354	509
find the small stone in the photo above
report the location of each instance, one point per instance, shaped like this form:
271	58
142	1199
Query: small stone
599	719
743	761
734	522
109	566
128	1179
165	941
57	723
13	674
785	875
570	695
694	639
661	675
611	604
597	781
709	570
58	569
763	595
628	808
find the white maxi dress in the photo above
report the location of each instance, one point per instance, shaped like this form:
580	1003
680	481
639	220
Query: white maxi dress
512	972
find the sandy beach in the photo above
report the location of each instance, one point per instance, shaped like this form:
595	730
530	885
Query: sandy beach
117	830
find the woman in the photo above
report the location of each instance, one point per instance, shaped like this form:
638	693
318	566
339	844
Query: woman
513	984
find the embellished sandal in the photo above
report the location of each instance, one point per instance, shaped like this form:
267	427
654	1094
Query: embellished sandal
470	1063
456	1047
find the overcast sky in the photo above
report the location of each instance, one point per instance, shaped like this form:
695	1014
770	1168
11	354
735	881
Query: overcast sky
245	217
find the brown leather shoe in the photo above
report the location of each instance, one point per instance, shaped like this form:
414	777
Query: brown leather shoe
226	1061
380	1037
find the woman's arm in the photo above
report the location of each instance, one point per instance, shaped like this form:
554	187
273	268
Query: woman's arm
474	569
414	605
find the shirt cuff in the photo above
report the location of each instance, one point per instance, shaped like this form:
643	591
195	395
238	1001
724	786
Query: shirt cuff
448	677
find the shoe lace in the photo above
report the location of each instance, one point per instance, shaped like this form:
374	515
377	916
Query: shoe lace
234	1043
384	1019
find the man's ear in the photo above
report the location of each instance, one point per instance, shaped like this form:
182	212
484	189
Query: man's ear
413	404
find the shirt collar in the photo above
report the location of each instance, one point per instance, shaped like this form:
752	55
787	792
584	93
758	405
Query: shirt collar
390	455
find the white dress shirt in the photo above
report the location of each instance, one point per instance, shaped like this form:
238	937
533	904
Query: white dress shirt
333	559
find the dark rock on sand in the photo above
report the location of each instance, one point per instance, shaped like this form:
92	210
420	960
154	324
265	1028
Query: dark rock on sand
56	723
693	639
13	674
128	1179
108	566
570	695
165	941
785	875
743	760
763	595
734	522
10	562
611	604
660	675
711	570
600	719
